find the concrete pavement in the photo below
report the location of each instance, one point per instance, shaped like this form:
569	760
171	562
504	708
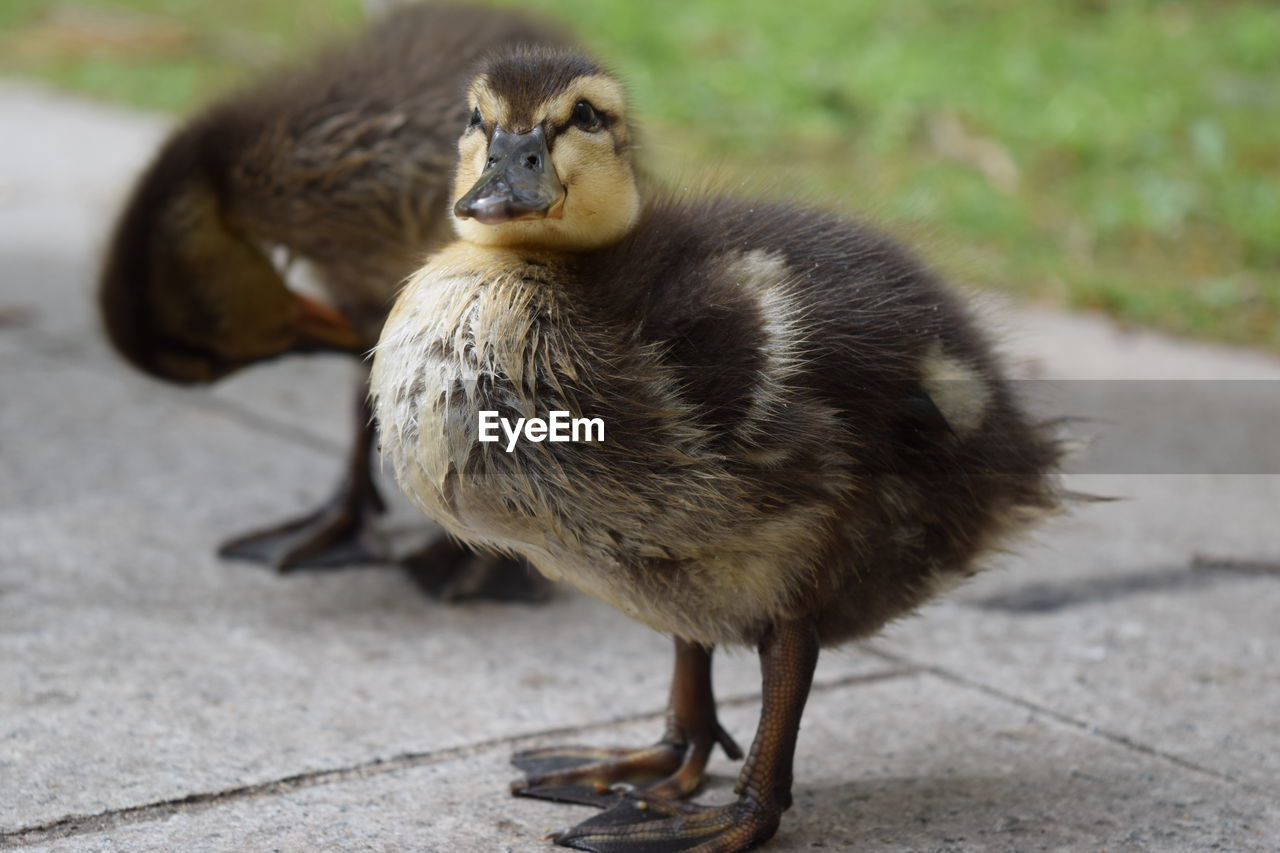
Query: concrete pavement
1101	689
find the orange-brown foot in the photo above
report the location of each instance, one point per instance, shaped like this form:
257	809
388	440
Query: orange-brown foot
589	776
641	823
668	770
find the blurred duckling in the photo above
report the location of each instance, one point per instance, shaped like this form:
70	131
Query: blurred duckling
806	436
345	162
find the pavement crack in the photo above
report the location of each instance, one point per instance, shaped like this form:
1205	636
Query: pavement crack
1066	719
76	825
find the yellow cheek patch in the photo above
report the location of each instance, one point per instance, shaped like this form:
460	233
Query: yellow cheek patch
578	156
472	150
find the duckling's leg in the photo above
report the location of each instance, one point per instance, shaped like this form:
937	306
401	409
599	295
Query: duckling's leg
644	823
340	531
671	768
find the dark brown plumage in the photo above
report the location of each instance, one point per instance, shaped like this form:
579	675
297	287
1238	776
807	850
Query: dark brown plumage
843	431
344	162
806	435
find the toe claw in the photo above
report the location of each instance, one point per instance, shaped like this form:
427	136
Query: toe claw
728	744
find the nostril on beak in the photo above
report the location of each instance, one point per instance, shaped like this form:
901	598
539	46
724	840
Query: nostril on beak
533	161
490	162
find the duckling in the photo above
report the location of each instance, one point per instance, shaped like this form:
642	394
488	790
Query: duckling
806	435
344	162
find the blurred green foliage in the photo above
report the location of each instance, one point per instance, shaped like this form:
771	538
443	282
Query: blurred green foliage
1112	154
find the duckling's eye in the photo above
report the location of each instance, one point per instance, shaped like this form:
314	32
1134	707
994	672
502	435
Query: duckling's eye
585	116
476	118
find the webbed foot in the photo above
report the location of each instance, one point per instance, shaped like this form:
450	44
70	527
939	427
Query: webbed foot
642	823
591	776
654	820
337	534
670	769
340	531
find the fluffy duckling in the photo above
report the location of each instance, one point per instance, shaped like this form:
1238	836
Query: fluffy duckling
805	434
346	163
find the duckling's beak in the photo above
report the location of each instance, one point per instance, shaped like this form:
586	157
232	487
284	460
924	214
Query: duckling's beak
519	181
322	328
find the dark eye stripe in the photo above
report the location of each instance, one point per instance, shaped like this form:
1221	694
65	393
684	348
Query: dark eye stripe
603	121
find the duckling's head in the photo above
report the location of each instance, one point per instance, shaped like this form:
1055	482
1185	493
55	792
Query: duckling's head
546	161
186	294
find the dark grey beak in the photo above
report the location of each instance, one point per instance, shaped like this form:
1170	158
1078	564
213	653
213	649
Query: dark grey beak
519	181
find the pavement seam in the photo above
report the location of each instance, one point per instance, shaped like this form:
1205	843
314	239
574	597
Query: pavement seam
77	825
1084	726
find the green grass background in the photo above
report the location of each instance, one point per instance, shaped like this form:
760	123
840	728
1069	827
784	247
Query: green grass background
1119	155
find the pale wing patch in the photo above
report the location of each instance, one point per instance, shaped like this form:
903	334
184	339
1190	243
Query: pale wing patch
960	392
764	275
